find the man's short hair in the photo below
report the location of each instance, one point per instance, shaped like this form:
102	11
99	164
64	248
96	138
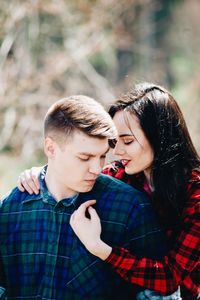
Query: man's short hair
78	113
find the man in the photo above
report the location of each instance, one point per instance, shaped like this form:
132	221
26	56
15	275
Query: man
41	257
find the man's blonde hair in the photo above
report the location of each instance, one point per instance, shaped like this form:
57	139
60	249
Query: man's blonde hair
78	113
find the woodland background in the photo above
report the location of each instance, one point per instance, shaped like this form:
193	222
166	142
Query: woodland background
52	49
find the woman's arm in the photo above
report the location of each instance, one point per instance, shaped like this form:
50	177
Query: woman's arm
163	275
81	224
139	271
174	268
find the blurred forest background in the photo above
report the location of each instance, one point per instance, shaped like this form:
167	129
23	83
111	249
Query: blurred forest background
50	49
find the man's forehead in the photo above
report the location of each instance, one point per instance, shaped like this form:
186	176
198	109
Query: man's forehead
94	153
79	136
85	144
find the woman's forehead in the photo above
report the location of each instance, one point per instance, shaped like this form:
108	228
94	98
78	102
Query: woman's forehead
126	122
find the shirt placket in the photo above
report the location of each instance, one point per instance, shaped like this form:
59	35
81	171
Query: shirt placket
52	249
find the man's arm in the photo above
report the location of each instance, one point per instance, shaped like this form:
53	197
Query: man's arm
144	235
2	234
2	280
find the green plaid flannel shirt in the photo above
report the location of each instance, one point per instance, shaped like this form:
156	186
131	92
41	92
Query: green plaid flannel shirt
41	257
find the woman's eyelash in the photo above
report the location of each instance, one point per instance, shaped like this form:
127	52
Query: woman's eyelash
128	142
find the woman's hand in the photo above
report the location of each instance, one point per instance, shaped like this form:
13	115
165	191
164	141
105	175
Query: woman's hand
88	230
28	180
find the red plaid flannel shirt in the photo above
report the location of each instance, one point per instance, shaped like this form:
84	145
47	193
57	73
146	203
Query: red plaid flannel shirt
181	266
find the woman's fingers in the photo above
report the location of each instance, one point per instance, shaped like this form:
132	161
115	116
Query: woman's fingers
79	215
28	180
20	184
93	214
88	230
23	184
35	171
83	207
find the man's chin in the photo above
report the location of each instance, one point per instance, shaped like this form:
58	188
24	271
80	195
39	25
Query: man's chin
87	188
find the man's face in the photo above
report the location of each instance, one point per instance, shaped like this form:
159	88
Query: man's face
76	164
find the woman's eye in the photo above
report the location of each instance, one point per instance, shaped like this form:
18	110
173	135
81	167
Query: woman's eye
128	142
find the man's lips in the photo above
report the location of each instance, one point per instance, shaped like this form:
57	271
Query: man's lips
90	181
125	162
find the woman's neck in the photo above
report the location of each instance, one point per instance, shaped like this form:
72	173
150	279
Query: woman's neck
147	174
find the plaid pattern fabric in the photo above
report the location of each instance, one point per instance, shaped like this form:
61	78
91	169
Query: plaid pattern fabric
2	293
41	258
181	265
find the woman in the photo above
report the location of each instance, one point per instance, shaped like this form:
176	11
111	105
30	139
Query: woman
156	156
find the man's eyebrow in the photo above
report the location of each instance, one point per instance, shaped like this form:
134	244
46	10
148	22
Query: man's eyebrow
92	155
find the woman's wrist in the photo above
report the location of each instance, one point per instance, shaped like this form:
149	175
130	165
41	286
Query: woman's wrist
100	249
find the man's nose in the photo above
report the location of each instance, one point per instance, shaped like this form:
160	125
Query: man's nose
96	168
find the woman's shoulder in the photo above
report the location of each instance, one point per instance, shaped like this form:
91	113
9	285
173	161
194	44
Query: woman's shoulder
193	190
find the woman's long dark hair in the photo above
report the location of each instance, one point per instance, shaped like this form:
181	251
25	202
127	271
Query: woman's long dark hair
174	154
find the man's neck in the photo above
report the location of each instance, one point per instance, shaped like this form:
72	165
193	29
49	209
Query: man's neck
56	188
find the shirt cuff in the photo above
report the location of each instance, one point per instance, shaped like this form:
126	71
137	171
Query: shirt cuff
116	254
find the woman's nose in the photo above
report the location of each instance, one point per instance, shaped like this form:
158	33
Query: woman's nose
118	150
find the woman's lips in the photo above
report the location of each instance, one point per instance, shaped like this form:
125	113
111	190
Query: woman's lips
125	162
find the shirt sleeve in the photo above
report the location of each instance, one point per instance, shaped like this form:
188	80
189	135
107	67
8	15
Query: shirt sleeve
2	277
2	271
164	275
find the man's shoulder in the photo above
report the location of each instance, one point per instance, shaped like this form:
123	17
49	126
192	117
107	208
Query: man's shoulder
13	198
112	184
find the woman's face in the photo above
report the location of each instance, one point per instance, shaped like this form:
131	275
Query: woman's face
132	146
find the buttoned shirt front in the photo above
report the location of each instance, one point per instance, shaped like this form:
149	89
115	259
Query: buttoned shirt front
43	259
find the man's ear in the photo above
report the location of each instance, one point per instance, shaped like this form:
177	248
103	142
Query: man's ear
49	148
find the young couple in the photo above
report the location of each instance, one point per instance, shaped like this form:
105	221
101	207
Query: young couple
156	156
